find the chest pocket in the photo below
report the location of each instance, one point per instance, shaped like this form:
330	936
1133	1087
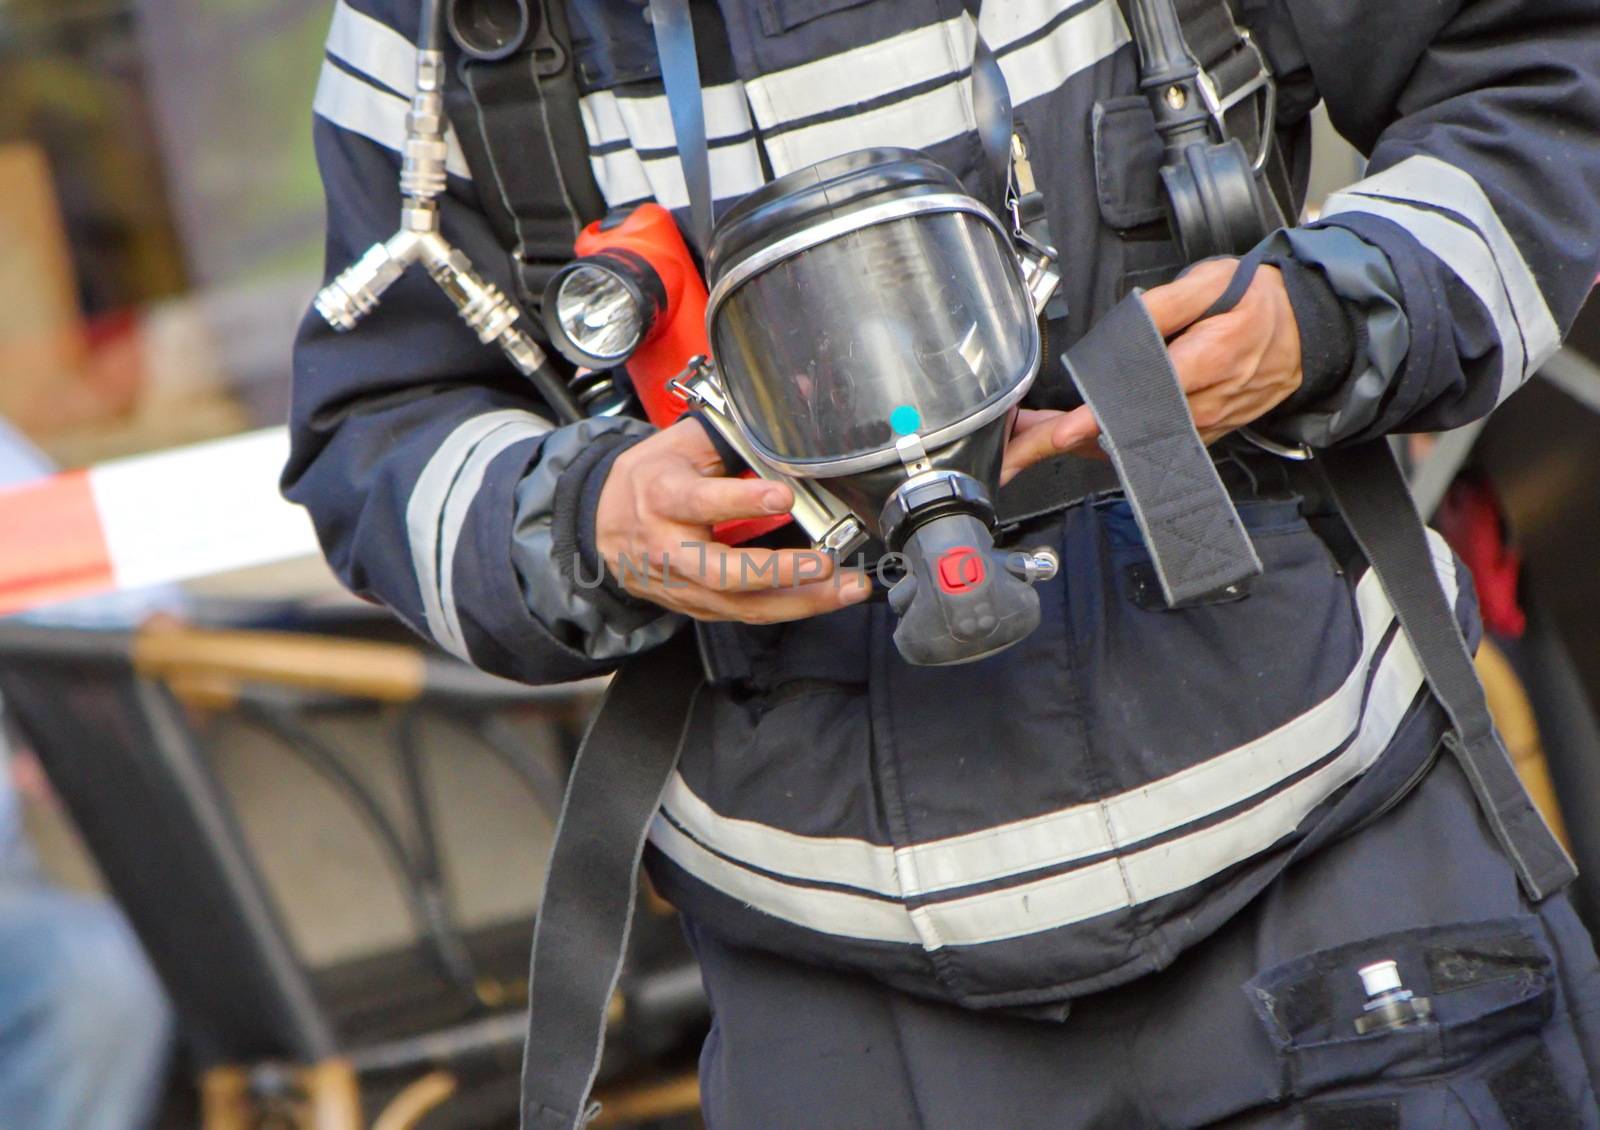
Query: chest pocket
779	16
612	42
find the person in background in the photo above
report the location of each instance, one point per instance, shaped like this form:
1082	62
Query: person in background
85	1027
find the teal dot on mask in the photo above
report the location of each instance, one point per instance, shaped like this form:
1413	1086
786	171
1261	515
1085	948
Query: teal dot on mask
905	420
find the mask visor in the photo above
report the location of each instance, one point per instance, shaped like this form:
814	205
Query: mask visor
913	324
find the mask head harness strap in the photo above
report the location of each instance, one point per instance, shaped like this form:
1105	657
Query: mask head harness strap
680	74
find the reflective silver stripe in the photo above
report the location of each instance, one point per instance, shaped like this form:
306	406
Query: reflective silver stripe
621	177
1464	251
646	123
1143	876
1099	888
1209	786
362	108
1039	68
925	54
879	70
462	494
1065	835
373	48
861	74
624	178
438	505
841	860
840	82
735	170
831	912
1424	179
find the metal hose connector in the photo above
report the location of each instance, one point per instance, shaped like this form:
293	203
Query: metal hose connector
422	157
359	287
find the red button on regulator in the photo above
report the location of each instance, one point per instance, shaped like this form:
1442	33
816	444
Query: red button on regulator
961	569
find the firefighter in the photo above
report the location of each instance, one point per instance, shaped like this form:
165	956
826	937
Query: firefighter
1217	864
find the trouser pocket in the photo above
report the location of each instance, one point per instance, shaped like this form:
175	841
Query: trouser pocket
1482	1043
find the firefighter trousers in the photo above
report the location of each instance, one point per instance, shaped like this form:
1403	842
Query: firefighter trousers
1252	1029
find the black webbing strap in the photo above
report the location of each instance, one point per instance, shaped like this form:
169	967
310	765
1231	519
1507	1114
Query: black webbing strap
1050	486
534	154
680	74
1196	542
1371	493
586	911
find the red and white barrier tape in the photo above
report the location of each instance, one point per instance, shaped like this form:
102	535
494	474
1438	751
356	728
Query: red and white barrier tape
170	516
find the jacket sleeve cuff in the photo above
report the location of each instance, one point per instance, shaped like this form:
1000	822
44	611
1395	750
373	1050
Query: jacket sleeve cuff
564	582
1330	332
1353	330
577	500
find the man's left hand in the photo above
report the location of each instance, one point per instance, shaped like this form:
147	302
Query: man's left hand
1234	367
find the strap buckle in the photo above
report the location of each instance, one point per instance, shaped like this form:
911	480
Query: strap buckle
1219	103
1295	452
1038	257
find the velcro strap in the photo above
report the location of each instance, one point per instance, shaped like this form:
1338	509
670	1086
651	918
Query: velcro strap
1191	529
586	911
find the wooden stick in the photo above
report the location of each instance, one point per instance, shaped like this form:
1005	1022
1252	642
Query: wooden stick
382	671
413	1103
627	1105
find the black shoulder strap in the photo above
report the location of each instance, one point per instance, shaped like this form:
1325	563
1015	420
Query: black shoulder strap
1243	86
586	910
1234	82
519	124
1366	483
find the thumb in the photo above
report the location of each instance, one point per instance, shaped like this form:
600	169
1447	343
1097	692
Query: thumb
691	437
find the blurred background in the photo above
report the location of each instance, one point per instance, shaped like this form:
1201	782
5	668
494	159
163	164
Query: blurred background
328	841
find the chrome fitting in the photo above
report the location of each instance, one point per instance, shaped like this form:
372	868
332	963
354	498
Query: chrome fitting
479	302
830	525
422	157
1035	565
360	286
845	537
523	351
1040	276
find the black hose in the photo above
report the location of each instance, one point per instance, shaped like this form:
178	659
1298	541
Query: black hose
551	385
430	34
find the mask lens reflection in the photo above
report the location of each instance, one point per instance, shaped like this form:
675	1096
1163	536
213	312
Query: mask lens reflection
598	313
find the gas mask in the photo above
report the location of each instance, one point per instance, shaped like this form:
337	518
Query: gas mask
872	330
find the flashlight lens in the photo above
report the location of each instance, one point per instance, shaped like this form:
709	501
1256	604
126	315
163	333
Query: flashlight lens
598	313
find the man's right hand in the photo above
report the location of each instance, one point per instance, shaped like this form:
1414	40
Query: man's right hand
653	531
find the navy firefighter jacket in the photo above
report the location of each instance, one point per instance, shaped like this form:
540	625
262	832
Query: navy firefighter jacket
1075	811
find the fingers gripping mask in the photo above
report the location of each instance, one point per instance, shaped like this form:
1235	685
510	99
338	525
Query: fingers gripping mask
872	333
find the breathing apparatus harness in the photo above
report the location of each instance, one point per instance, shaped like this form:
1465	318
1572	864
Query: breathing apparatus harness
353	295
1221	199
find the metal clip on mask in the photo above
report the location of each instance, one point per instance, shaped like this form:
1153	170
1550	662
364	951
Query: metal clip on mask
872	330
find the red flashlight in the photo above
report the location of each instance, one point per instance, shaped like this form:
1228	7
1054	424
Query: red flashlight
634	298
